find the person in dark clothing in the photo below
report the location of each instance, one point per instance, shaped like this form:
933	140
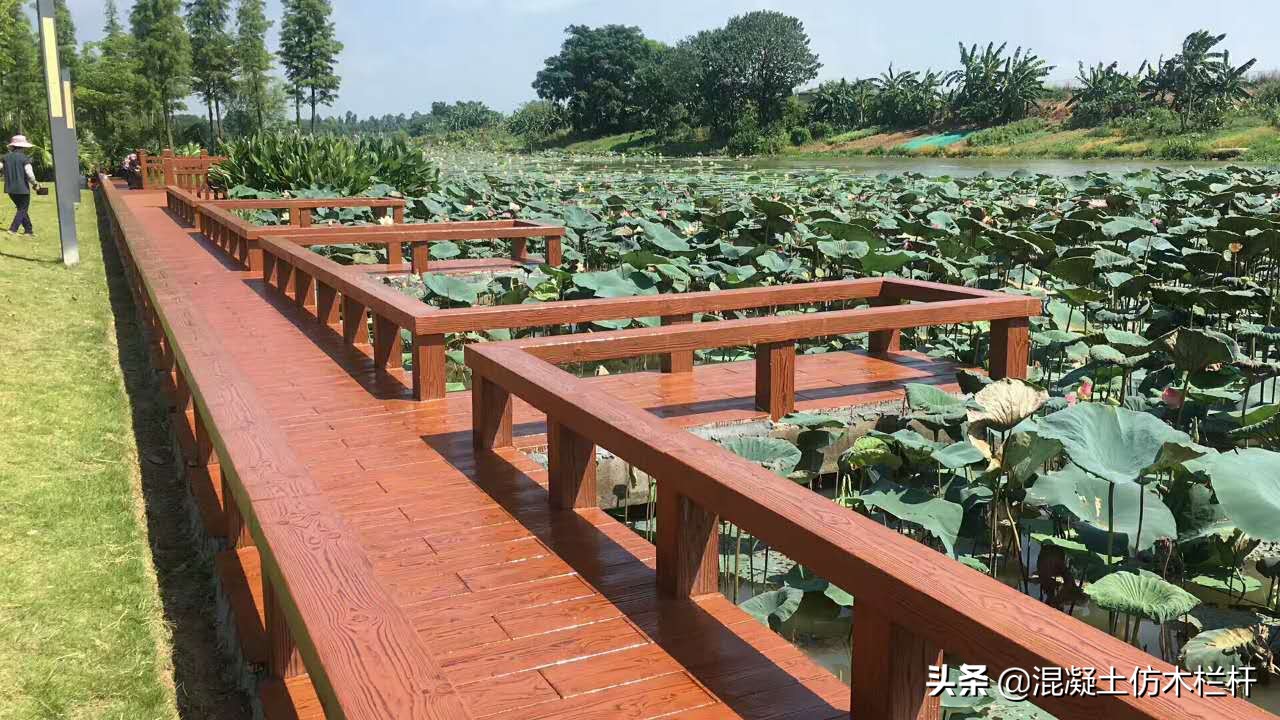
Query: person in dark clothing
19	178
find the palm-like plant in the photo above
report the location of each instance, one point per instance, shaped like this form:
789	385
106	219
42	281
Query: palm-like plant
1105	93
1199	82
842	103
908	98
991	86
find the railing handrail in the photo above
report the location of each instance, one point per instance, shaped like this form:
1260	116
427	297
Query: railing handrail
896	581
615	344
361	651
428	325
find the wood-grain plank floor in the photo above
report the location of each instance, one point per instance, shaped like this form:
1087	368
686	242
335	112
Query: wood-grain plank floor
532	613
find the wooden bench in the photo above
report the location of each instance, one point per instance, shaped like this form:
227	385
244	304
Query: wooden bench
912	604
327	621
340	296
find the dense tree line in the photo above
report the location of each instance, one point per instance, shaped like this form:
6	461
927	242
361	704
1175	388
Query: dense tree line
738	82
132	86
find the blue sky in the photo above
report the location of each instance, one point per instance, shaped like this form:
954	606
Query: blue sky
403	54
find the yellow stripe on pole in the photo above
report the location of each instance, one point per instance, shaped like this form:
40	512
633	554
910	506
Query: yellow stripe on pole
71	106
52	76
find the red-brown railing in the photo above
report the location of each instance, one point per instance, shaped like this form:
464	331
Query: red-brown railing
325	615
343	298
911	602
189	173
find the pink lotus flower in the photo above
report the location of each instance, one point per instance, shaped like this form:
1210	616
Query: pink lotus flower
1072	398
1085	391
1172	397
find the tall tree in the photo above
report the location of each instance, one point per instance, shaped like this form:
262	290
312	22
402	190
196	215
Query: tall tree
68	56
21	81
594	76
165	53
109	93
253	58
111	26
212	58
757	58
308	52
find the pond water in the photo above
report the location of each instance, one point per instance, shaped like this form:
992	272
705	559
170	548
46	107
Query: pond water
871	165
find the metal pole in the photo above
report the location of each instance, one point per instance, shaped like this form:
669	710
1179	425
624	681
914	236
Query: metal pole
66	160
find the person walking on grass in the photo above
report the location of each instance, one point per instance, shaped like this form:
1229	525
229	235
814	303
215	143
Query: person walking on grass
19	178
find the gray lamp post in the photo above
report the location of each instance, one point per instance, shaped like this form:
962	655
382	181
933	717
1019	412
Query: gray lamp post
62	134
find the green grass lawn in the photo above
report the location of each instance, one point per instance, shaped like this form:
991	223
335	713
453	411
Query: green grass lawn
82	632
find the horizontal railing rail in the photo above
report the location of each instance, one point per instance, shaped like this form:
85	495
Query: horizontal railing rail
912	603
241	238
344	298
326	617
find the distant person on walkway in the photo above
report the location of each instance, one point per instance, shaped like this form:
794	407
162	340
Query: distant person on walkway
19	178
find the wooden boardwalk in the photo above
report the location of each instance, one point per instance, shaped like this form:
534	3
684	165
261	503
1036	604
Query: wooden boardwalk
530	612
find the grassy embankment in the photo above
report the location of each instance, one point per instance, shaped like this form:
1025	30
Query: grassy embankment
1258	137
82	630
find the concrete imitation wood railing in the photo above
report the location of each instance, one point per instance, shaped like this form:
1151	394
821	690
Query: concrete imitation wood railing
344	299
326	617
912	603
166	169
241	238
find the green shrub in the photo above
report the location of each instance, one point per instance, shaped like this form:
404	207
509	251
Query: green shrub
801	136
1008	133
1189	147
1156	122
290	160
820	130
746	141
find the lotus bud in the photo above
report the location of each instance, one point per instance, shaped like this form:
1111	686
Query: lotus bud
1172	397
1072	398
1085	391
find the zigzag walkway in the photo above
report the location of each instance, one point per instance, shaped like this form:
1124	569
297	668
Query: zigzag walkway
527	612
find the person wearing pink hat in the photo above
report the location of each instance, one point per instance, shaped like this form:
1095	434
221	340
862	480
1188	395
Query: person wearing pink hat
19	178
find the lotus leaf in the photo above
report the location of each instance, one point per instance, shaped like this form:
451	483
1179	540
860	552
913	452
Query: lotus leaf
1085	497
1247	484
1005	403
773	454
1144	594
938	516
1116	444
774	607
1220	650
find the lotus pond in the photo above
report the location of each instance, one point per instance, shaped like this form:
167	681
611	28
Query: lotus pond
1133	480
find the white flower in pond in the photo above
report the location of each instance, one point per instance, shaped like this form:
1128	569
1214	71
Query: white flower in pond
386	220
1098	203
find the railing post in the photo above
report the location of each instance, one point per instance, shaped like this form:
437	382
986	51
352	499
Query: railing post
884	341
395	254
166	165
268	269
284	276
326	305
283	660
397	214
555	251
386	344
890	669
490	414
571	468
419	257
678	361
429	367
776	378
237	530
520	250
303	289
688	545
1010	348
355	329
